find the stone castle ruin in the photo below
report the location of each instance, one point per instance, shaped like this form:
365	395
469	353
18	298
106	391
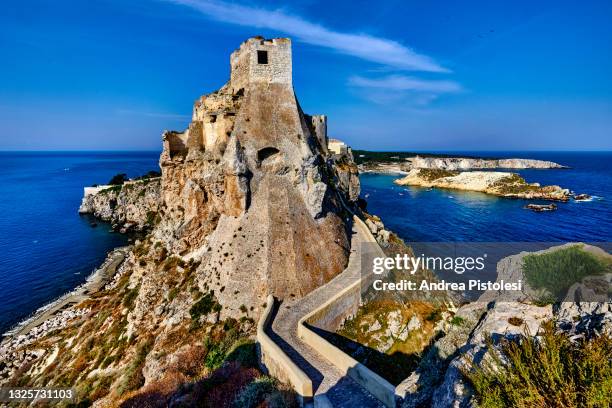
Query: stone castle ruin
257	61
251	188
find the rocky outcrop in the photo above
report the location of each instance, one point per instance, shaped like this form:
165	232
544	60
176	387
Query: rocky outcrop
497	316
463	163
491	182
249	203
133	205
392	168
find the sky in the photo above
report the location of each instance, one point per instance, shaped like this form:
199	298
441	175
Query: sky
391	75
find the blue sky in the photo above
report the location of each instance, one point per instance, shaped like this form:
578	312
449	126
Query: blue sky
391	75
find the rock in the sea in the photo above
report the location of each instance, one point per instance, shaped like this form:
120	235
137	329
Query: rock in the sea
541	207
581	197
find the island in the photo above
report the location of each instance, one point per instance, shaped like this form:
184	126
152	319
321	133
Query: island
403	162
503	184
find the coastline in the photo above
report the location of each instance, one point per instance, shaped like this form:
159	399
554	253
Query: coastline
95	282
501	184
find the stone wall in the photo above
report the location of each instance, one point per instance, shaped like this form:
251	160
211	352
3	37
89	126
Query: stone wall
330	315
245	68
318	127
276	362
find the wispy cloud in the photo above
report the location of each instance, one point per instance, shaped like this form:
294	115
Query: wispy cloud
406	83
407	90
375	49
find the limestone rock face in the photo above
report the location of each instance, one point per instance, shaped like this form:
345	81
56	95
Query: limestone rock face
249	191
464	163
133	205
506	316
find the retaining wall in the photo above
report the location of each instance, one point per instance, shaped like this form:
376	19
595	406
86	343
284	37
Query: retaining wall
276	362
329	316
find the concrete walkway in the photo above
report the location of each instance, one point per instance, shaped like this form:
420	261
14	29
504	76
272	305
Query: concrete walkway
331	387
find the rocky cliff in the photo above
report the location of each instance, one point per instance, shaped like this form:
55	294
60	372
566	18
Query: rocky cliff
249	203
133	205
462	163
403	162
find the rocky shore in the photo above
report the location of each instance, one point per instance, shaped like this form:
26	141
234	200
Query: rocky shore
131	206
497	183
56	315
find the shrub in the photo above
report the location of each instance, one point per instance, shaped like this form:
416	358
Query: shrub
556	271
547	371
457	321
113	189
118	179
130	297
149	174
203	306
434	174
134	378
254	393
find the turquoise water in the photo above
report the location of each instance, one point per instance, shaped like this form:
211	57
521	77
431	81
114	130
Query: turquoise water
47	248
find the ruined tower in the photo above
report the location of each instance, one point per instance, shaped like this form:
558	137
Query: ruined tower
261	61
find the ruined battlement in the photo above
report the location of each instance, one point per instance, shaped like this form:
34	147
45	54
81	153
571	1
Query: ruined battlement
318	128
261	61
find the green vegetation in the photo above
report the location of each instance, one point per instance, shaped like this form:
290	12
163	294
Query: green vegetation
254	393
364	156
434	174
133	377
149	175
118	179
457	321
546	372
204	306
263	389
130	297
113	189
554	272
513	184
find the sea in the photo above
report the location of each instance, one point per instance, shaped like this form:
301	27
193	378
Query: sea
47	248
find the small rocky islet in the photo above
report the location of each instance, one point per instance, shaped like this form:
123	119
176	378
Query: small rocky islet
502	184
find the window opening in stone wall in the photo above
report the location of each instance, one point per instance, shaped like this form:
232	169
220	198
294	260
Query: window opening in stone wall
262	57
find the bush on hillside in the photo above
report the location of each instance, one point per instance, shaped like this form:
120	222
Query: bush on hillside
555	272
545	371
118	179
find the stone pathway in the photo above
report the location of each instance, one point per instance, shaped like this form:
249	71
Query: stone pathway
331	387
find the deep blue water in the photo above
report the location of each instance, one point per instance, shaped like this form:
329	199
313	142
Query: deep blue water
418	215
46	248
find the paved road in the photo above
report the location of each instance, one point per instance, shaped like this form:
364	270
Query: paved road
329	384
